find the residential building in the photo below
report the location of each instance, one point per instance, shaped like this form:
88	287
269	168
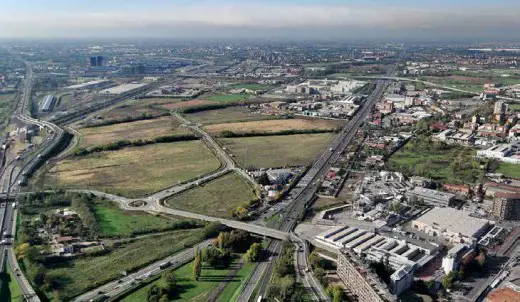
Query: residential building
506	206
365	285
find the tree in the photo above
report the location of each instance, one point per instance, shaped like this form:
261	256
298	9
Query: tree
264	180
197	265
170	282
337	294
253	253
447	281
320	275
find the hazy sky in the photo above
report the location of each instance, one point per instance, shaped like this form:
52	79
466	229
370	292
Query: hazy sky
348	19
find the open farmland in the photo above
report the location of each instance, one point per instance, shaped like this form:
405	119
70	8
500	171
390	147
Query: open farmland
228	97
277	151
226	115
275	126
135	171
251	86
187	104
215	198
77	276
144	129
135	108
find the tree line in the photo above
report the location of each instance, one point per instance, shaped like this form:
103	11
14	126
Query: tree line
229	133
118	145
126	119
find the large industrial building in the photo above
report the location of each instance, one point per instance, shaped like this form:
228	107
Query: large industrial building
89	85
453	225
431	197
123	89
402	256
48	103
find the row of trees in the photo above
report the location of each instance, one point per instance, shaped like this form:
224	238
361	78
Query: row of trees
229	133
283	284
134	143
126	119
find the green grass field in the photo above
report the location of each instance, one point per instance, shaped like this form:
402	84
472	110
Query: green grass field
431	160
228	97
114	221
277	151
231	291
10	290
77	276
251	86
215	198
189	289
227	115
509	170
514	107
134	171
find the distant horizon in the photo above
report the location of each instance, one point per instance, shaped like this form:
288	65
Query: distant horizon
231	19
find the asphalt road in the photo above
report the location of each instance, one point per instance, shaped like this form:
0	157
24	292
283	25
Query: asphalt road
309	184
117	287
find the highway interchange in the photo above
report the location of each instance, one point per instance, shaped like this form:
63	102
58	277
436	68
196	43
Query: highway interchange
16	172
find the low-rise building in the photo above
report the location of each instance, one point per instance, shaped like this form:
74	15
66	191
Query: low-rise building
455	226
432	197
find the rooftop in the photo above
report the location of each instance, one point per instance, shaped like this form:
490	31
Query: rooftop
453	220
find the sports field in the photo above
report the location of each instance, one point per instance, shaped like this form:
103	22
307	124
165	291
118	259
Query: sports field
251	86
509	170
277	151
267	126
135	171
215	198
144	129
226	115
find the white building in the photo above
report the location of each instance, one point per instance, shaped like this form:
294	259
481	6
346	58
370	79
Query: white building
455	226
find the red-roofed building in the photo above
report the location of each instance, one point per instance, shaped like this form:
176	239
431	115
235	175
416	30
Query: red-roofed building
505	294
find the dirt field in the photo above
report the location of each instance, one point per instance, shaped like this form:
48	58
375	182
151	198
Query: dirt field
186	104
131	131
136	171
277	151
275	125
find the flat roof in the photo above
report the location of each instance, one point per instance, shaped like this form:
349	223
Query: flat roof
86	84
122	88
453	220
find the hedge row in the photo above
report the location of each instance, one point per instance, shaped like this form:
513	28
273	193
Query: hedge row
228	133
135	143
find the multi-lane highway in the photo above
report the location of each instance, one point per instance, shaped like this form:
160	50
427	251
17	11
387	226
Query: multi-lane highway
127	282
309	184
